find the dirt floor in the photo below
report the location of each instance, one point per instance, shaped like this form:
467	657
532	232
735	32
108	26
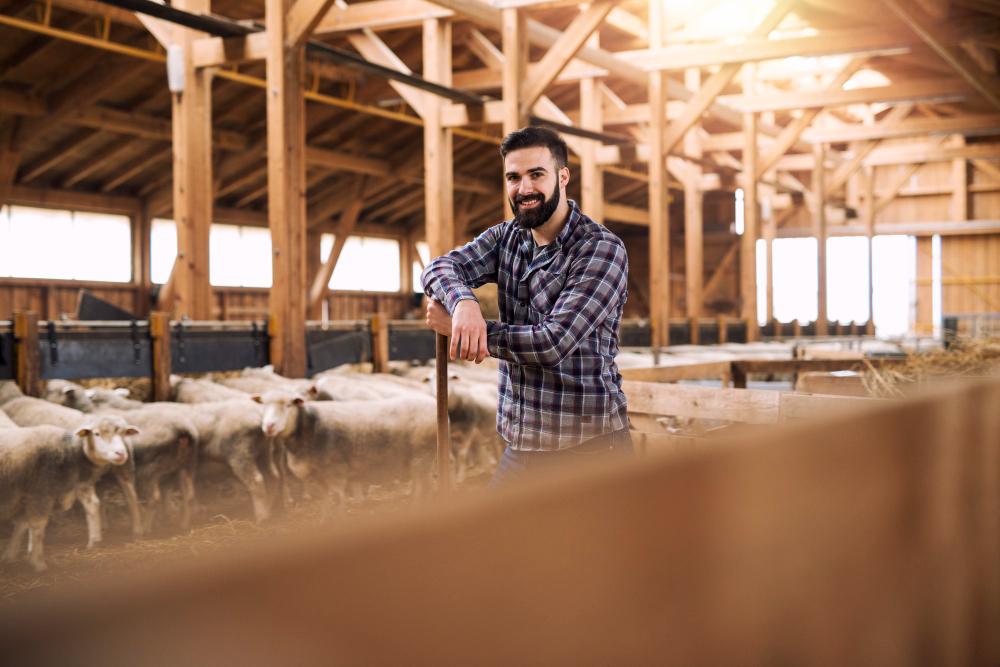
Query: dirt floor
223	522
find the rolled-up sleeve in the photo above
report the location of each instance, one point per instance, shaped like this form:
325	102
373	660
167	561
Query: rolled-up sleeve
451	277
595	287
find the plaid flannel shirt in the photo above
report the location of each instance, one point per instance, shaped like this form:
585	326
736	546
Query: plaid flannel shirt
557	337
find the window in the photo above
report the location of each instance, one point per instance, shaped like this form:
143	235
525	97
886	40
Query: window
895	270
795	279
847	278
366	264
238	256
64	245
425	255
761	281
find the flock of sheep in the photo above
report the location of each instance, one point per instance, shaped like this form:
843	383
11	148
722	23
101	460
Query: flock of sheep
333	435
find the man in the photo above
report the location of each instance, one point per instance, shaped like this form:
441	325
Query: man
561	281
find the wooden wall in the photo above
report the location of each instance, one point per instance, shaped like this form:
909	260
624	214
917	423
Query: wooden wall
53	298
972	265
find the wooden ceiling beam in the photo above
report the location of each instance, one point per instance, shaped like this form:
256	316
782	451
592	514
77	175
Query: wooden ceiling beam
380	15
939	89
303	19
931	153
946	44
968	125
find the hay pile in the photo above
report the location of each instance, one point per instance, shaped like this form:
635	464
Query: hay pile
967	358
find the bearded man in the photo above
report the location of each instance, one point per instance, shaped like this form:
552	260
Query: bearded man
561	281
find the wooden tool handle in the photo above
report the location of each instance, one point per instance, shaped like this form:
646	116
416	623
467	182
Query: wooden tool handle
443	429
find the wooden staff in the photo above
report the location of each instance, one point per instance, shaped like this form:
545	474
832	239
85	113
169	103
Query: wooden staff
443	429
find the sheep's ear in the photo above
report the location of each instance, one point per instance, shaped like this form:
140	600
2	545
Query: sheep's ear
68	391
426	380
298	400
124	392
313	390
84	431
90	393
257	398
131	430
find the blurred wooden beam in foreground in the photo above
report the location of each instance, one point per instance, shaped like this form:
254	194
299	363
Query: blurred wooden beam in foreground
869	540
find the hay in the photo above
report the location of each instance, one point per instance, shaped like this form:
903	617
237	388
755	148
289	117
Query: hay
967	358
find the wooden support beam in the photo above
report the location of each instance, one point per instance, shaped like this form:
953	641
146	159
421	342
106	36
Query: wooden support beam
286	190
159	333
321	281
791	132
900	179
931	152
560	54
714	282
926	90
10	157
924	324
515	51
748	243
439	188
959	185
28	370
694	265
192	182
380	15
819	230
659	206
711	88
869	211
591	175
945	43
303	18
969	125
861	149
379	326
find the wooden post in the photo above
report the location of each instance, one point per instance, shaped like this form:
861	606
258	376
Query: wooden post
748	244
591	118
406	266
693	215
438	154
819	230
514	28
28	371
192	136
925	289
443	427
659	212
159	334
314	262
286	184
869	188
723	329
379	324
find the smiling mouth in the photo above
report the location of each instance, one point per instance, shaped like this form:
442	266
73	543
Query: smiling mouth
530	203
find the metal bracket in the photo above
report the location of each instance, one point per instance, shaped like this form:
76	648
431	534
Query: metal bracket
53	343
179	339
136	343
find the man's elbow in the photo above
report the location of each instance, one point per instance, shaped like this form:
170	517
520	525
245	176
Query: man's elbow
560	346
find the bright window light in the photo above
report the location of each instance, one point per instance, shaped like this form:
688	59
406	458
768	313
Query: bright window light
366	264
162	249
847	278
65	245
238	256
895	271
425	254
738	212
795	279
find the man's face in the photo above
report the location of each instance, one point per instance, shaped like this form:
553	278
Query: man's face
534	185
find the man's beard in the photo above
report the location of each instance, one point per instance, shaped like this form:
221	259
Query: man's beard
535	217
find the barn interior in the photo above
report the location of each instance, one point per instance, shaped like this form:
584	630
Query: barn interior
236	194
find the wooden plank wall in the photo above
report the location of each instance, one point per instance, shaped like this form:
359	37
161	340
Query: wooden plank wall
868	540
975	262
51	299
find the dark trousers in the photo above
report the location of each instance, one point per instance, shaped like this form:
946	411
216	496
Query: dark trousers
516	465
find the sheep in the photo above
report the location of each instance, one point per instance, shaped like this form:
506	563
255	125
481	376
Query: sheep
72	395
168	445
352	443
43	466
28	411
9	391
258	380
351	387
5	421
189	390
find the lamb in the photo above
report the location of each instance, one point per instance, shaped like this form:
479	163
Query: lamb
258	380
43	466
352	387
190	390
352	443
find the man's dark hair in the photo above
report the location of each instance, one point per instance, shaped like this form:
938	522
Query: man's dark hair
531	136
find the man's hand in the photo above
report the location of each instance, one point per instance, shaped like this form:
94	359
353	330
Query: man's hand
467	329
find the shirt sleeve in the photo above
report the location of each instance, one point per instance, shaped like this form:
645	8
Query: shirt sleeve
451	277
595	288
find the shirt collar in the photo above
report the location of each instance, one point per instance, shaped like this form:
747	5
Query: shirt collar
572	219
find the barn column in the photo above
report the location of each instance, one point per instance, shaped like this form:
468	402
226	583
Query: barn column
515	51
286	186
659	213
192	137
693	221
439	190
819	230
748	244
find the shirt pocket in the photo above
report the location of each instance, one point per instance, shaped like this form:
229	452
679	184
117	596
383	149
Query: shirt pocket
544	288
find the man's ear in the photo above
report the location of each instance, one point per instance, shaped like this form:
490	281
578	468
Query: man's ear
564	176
